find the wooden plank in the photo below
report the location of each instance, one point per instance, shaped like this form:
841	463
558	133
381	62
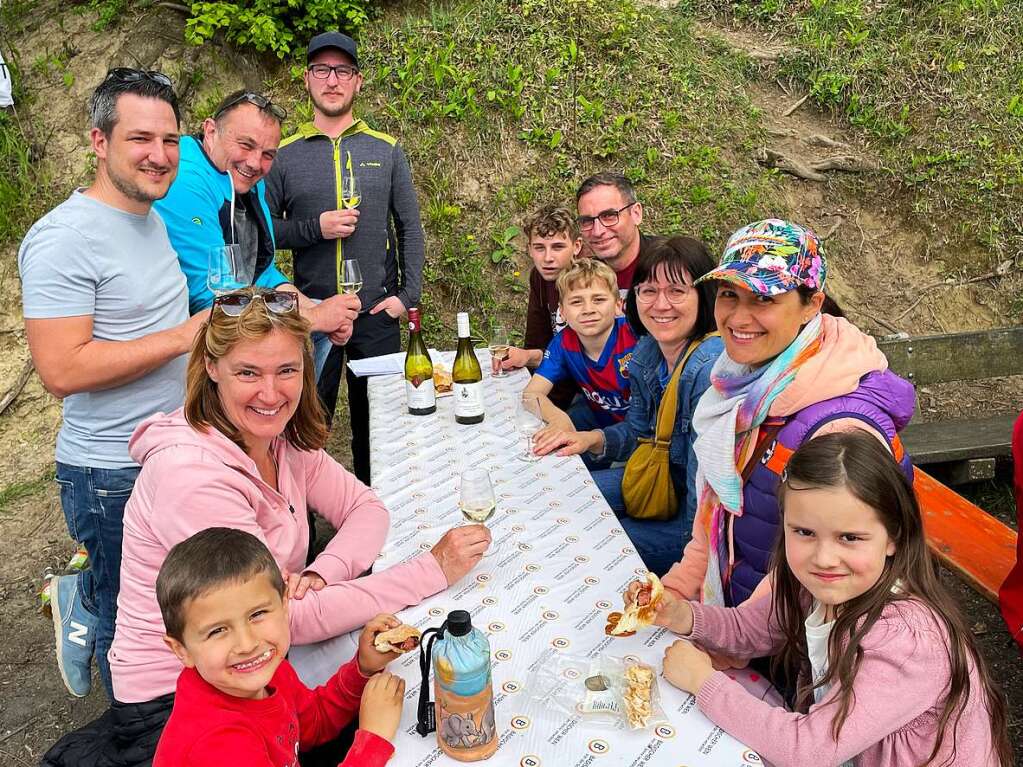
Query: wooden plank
941	441
964	537
956	356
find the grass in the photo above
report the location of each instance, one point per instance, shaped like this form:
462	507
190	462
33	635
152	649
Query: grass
936	87
503	105
18	490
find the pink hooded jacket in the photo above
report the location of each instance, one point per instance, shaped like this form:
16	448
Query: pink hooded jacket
191	481
846	355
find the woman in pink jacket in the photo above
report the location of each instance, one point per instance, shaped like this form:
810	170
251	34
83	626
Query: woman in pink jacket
246	451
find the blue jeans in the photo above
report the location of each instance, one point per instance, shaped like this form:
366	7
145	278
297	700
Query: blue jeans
659	544
93	501
321	348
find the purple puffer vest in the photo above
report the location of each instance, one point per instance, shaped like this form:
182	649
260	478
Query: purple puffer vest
883	400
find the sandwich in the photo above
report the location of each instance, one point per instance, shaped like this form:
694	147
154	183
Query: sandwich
400	640
640	613
442	382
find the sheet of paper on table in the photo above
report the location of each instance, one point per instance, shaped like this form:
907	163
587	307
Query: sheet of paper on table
561	564
385	364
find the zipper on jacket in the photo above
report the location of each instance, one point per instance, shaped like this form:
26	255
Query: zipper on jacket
338	181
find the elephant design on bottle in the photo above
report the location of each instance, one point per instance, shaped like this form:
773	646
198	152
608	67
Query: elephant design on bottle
461	731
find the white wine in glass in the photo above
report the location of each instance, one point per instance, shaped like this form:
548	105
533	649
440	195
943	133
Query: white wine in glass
350	197
477	499
350	279
499	349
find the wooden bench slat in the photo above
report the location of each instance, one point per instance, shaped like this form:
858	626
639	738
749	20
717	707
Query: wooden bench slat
956	356
940	441
965	538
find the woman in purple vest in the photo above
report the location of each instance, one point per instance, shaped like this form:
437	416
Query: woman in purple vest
789	373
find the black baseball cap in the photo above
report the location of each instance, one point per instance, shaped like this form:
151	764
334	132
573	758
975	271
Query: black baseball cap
343	43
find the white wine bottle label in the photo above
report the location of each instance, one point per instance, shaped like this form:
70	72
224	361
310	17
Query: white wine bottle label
468	399
422	396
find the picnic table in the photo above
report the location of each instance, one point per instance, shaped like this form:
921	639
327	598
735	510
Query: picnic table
560	563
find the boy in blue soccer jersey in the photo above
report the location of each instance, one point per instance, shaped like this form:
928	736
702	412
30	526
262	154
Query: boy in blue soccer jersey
594	351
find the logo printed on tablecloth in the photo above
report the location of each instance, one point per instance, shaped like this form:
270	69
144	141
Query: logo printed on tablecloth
503	655
598	746
435	612
571	539
520	722
560	643
664	731
549	615
591	580
489	601
483	578
529	760
541	590
531	568
511	686
752	757
496	626
582	559
602	604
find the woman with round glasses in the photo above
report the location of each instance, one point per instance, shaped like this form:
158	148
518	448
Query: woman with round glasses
672	317
246	451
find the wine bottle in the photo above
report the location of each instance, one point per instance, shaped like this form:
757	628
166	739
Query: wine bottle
467	377
419	391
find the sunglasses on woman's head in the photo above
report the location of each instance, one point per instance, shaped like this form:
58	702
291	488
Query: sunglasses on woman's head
276	301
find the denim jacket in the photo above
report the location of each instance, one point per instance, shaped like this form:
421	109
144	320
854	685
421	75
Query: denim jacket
645	398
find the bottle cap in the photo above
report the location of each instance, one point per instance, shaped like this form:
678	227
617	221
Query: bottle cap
463	324
459	623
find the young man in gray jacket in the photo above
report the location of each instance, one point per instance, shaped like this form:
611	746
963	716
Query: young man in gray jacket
382	231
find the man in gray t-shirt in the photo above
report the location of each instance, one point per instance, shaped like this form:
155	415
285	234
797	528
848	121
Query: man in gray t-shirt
106	316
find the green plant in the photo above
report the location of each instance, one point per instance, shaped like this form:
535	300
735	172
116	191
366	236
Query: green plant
273	25
505	244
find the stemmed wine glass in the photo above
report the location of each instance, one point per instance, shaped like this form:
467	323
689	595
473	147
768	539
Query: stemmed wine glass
477	499
229	269
350	197
350	279
529	420
499	349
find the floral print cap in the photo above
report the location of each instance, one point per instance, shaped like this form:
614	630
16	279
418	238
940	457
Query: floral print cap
771	257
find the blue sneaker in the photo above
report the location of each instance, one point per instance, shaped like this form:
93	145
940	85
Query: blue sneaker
75	628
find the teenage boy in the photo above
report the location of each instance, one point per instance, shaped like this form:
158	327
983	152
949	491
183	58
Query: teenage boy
238	701
552	241
593	351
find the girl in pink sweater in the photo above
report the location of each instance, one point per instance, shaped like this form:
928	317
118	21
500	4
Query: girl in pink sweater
889	674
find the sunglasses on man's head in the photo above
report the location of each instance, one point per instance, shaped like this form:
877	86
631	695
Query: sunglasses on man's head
257	100
276	301
129	75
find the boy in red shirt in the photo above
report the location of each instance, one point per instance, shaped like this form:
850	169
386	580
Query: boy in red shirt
238	700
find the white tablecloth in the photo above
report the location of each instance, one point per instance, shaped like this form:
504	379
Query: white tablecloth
561	564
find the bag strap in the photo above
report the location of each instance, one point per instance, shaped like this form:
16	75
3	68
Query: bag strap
767	434
668	408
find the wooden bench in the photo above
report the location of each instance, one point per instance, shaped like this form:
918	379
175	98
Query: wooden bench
968	447
967	540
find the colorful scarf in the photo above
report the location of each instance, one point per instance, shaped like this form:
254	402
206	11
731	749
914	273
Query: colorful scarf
727	420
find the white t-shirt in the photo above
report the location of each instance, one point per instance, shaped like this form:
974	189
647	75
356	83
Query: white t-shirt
87	258
817	634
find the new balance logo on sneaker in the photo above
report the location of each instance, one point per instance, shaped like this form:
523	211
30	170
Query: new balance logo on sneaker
78	634
73	627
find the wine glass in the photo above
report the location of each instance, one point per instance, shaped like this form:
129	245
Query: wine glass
350	197
499	349
350	278
529	420
228	269
477	499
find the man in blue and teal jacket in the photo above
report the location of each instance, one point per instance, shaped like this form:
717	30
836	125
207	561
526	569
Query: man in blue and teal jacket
219	198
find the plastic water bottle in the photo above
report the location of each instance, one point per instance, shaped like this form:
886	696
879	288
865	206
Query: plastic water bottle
464	692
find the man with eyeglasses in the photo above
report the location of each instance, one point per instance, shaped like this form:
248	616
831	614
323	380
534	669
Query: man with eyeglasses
609	220
107	322
379	227
219	198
